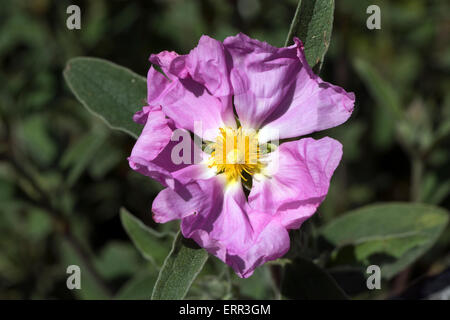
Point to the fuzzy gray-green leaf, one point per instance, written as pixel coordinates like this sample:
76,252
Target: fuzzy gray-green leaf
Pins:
108,90
152,244
397,232
313,24
181,267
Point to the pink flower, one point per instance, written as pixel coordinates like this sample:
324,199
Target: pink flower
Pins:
274,94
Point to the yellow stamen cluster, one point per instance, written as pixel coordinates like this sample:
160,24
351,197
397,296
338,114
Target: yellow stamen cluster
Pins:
236,152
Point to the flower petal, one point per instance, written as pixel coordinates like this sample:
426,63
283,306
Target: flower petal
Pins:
260,76
193,108
270,243
154,137
274,88
157,85
152,154
207,65
297,179
196,88
200,197
164,60
244,240
187,103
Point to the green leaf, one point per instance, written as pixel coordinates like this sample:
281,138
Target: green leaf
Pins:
117,259
313,23
109,91
304,280
209,287
139,287
387,100
152,244
392,235
181,267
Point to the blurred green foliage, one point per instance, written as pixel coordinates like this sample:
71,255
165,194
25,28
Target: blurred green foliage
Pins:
64,174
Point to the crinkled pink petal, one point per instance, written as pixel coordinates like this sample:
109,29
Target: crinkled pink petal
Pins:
152,153
196,87
170,62
163,59
274,88
157,85
238,236
298,181
193,108
195,198
207,65
154,137
271,241
227,224
187,103
142,115
260,76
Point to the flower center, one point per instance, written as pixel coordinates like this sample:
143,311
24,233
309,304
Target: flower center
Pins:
236,153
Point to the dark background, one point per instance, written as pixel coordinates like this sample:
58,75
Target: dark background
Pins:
64,174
